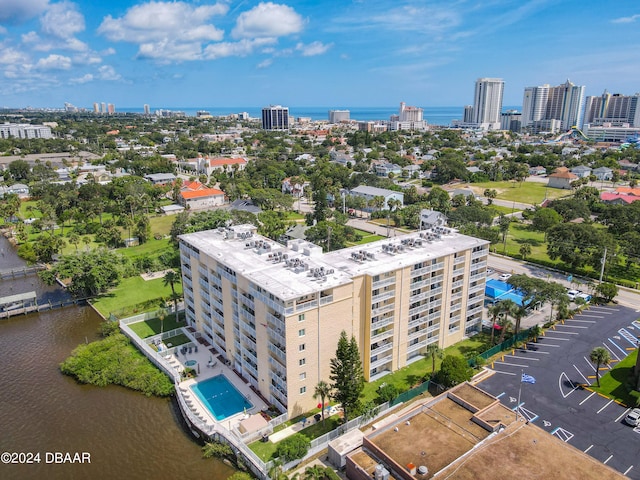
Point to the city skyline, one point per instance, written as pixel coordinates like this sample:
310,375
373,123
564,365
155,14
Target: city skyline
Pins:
298,53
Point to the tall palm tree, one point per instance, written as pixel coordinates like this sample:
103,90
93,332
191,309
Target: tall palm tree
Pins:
599,356
170,279
322,391
162,313
517,312
434,351
315,472
494,311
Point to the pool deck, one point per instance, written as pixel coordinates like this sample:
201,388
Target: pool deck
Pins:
207,367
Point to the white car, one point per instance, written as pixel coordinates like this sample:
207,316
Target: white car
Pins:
572,294
633,417
504,277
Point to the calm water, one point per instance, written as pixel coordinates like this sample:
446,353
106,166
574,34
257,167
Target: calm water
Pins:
128,435
433,115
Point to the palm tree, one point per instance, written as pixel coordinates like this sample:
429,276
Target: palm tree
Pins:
525,250
434,351
536,331
494,310
322,391
599,356
162,313
171,278
316,472
517,312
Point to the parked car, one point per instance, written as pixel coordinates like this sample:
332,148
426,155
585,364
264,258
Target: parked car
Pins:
504,277
572,294
633,417
585,296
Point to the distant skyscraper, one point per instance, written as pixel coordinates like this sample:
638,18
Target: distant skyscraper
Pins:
337,116
544,103
96,107
111,109
103,107
275,117
487,103
615,109
147,110
410,114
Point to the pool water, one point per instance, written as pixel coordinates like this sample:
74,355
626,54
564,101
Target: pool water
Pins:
220,397
190,363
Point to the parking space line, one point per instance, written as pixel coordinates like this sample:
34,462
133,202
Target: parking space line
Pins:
498,396
588,448
623,414
591,316
610,457
581,321
533,351
512,364
592,394
557,338
562,434
628,470
545,345
573,387
571,326
505,373
565,333
605,310
609,403
585,379
618,347
611,351
526,358
628,336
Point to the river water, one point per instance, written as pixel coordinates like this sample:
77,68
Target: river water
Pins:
127,435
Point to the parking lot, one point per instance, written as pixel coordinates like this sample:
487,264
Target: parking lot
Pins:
560,363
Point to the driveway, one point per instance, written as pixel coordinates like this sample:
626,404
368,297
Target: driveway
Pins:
559,362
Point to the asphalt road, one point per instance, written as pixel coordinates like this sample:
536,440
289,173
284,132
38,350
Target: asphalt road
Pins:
559,362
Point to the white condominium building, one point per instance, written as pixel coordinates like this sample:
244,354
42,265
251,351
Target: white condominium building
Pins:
337,116
275,117
275,312
616,109
24,130
487,103
543,103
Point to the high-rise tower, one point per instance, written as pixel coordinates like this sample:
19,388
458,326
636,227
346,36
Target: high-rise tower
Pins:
275,117
487,103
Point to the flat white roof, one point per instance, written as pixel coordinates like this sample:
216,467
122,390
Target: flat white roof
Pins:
288,271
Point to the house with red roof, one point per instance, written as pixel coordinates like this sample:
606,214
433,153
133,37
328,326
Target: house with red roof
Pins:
202,199
561,178
615,198
228,165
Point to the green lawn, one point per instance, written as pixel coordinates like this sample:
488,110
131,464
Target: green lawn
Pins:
500,210
151,327
153,246
366,238
613,383
161,224
265,450
532,193
131,295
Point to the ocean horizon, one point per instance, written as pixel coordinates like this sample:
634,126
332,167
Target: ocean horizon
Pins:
433,115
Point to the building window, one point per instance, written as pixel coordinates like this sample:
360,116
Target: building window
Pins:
303,390
301,347
302,361
301,317
303,375
301,332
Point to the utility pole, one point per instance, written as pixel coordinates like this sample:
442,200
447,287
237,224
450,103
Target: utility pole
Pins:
328,239
603,261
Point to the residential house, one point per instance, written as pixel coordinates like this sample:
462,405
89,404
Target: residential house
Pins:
160,178
369,193
19,189
537,171
603,173
202,199
615,198
628,165
561,178
227,165
410,170
385,169
581,171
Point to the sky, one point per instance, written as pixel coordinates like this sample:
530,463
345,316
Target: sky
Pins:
334,53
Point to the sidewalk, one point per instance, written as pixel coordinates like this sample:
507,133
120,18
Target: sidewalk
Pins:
286,432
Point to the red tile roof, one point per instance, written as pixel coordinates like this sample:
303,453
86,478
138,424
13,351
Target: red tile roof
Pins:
217,162
611,197
628,190
207,192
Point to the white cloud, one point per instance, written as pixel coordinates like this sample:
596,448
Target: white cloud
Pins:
62,20
265,63
107,72
235,49
11,56
157,21
630,19
87,77
313,48
268,20
54,62
166,31
17,11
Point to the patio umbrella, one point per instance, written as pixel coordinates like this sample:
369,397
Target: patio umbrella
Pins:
198,368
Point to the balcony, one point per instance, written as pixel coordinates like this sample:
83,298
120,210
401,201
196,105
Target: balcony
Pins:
247,301
420,283
249,353
277,336
275,321
383,296
415,346
223,273
384,309
278,368
380,361
381,349
457,284
219,329
417,322
203,271
459,260
280,382
436,279
479,276
419,309
475,266
247,367
277,306
420,271
383,322
435,315
301,307
481,254
279,399
383,283
477,288
456,296
276,350
419,296
474,311
215,280
325,300
382,336
420,333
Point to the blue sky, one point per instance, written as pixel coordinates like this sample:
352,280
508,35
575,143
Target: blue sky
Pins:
309,52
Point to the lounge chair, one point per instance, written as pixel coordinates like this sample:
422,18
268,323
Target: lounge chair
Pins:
195,349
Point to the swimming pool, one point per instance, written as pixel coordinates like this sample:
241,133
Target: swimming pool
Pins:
220,397
190,363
